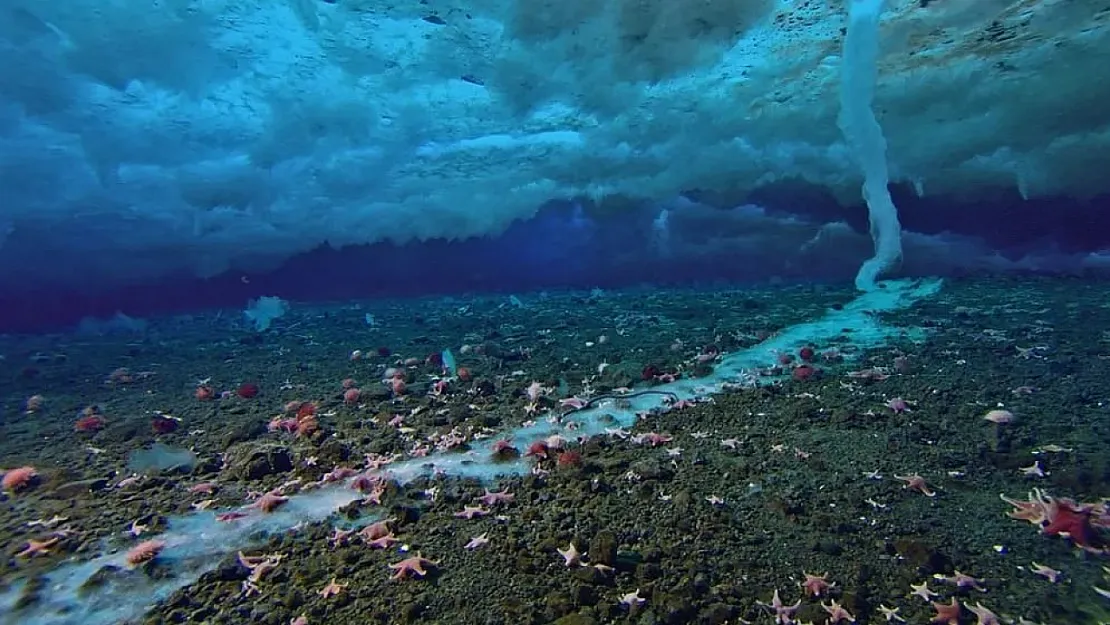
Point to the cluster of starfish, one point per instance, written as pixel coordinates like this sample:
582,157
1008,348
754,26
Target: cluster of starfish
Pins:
946,613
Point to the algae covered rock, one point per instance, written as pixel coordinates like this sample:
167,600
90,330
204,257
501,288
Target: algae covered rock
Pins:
254,461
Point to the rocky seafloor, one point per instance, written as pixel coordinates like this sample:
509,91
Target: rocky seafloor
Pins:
741,495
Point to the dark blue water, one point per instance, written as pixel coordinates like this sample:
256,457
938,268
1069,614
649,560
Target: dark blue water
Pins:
788,234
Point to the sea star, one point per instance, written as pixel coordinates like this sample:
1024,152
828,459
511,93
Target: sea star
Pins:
382,542
986,617
476,542
333,588
1071,521
632,598
922,590
962,580
815,585
413,565
837,613
1047,572
891,614
571,556
947,613
916,482
37,547
492,499
269,502
469,512
784,614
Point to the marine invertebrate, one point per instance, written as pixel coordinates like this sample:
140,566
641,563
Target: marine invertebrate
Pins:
144,552
19,479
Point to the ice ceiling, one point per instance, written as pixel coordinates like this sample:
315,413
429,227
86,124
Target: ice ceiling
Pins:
140,138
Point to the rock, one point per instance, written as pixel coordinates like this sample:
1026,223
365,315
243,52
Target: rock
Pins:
603,548
490,420
374,393
677,610
558,604
253,461
293,599
411,612
207,466
925,557
459,413
649,571
179,599
575,619
588,575
585,595
332,452
383,444
485,388
652,469
102,576
230,572
73,489
717,614
245,431
828,547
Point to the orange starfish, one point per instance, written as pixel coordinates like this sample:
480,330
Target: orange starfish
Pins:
947,613
37,547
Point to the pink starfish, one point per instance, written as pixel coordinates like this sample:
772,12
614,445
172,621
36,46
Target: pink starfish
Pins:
898,405
962,580
816,585
652,438
576,403
837,613
339,536
230,516
916,482
492,499
413,565
985,616
1047,572
269,502
375,496
784,614
476,542
260,565
336,474
376,530
333,588
382,542
469,512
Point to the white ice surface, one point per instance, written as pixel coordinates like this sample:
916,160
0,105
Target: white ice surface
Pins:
140,138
